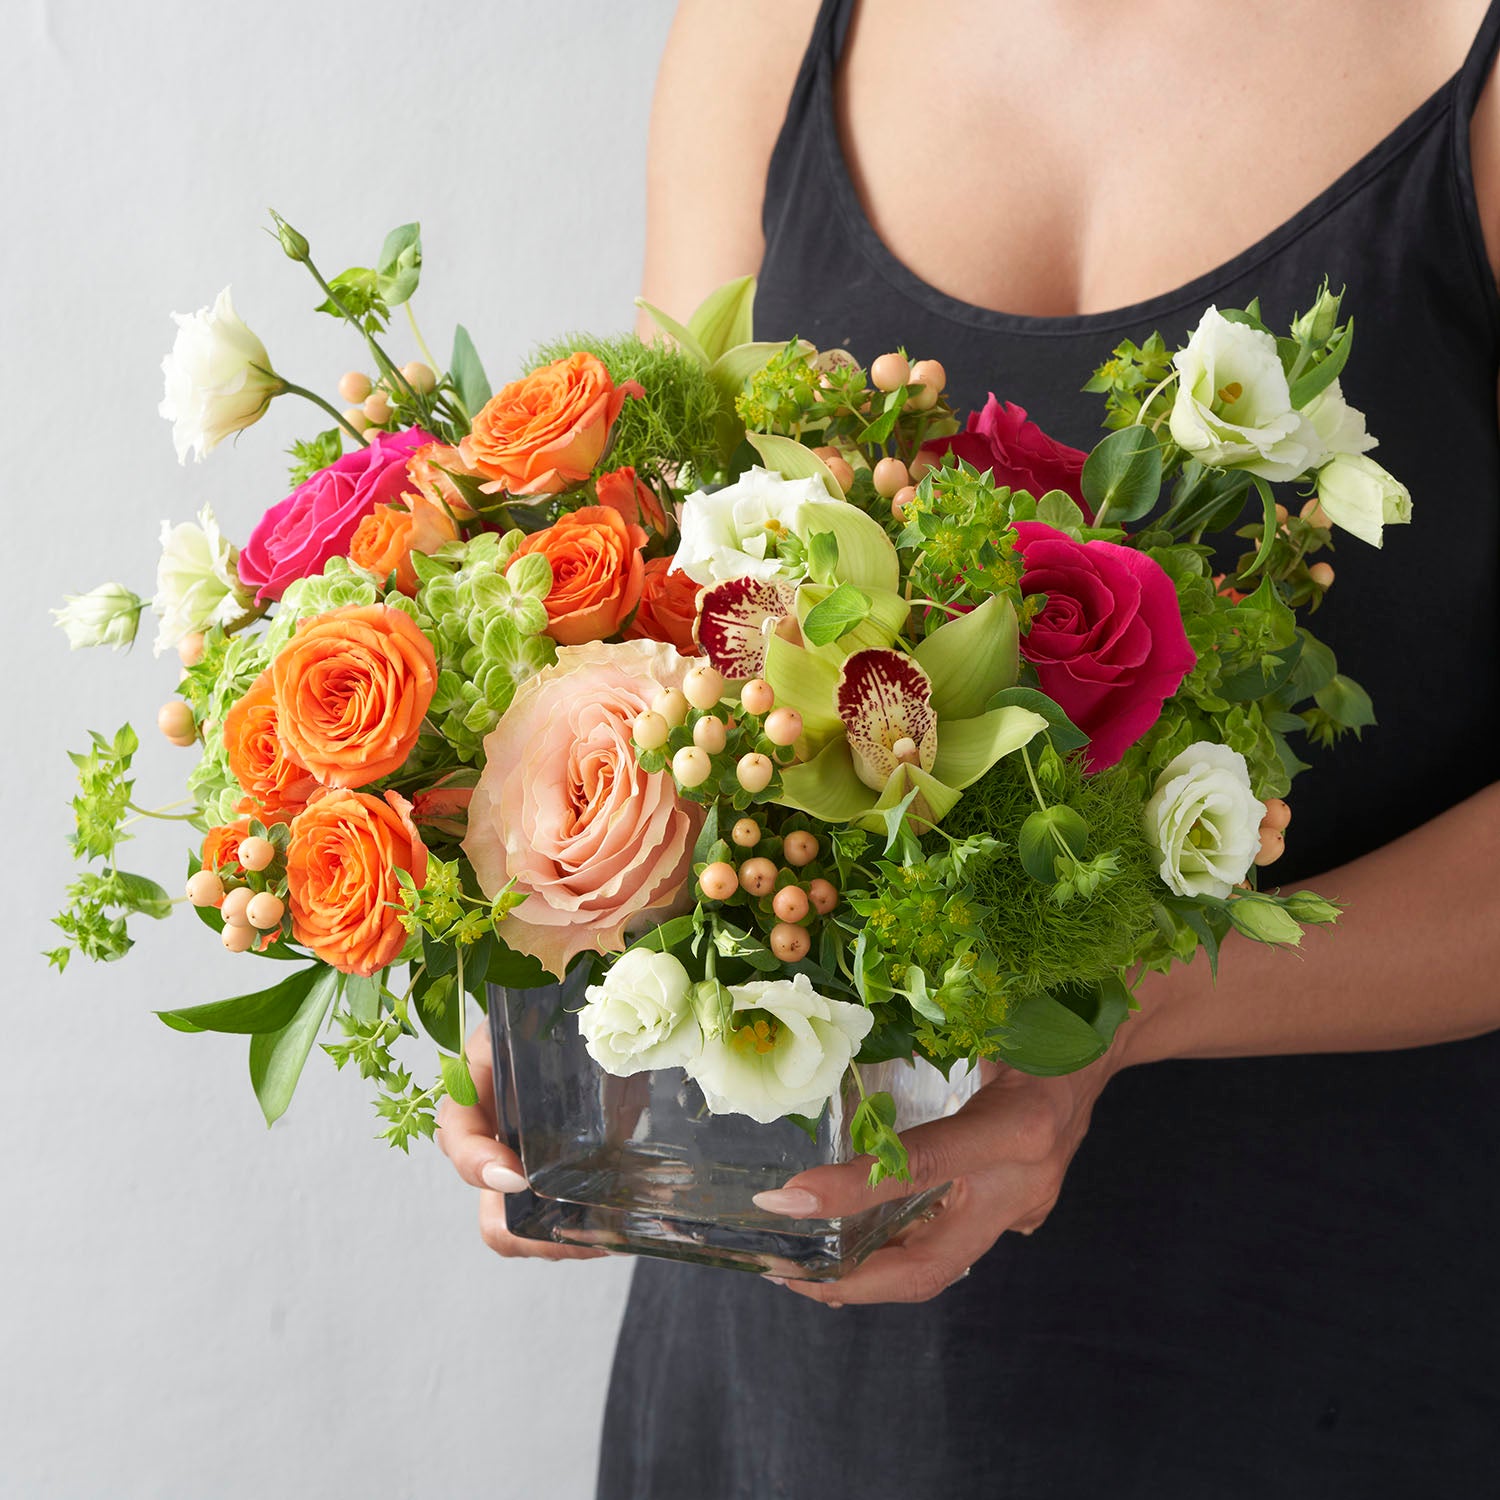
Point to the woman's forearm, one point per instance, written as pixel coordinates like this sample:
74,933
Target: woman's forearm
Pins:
1415,959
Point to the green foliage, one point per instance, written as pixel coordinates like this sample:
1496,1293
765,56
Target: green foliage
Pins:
958,539
308,455
485,624
1128,377
776,396
99,902
675,425
872,1132
1043,944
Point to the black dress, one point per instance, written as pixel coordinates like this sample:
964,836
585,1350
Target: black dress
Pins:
1266,1277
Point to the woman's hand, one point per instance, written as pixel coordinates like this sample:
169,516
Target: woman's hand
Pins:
467,1136
1005,1152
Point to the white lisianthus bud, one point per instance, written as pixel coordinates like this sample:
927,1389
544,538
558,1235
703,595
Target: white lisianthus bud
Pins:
786,1051
733,532
641,1016
1203,821
1233,408
1357,494
1340,427
106,616
216,378
196,582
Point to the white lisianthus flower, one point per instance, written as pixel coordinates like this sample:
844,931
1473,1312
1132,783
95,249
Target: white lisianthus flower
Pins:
196,582
216,378
1357,494
1233,408
732,532
1203,821
1340,427
786,1054
106,616
641,1016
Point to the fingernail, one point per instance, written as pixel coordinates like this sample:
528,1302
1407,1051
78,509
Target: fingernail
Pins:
795,1203
776,1280
833,1304
502,1179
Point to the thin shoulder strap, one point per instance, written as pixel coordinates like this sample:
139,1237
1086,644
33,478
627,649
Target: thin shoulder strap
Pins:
1476,68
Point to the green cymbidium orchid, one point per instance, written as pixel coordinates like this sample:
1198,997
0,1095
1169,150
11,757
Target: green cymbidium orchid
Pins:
881,723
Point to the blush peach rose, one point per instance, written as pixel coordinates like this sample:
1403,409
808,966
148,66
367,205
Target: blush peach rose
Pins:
597,572
342,888
597,846
436,469
624,490
668,609
545,432
385,540
277,787
351,688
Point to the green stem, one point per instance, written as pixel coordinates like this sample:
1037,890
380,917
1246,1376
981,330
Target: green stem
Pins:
317,400
164,817
1031,777
859,1082
416,333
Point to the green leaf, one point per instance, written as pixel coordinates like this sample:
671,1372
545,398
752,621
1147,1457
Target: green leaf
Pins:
1323,374
867,556
142,895
1039,849
822,556
734,367
967,748
723,320
844,609
1061,730
467,372
516,971
1103,1005
457,1079
1345,702
809,1127
708,835
1255,681
1122,476
400,265
1059,509
277,1057
436,1002
265,1010
1315,667
1045,1038
666,936
686,340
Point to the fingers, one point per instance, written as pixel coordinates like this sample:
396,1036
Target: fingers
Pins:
493,1232
923,1264
999,1125
466,1133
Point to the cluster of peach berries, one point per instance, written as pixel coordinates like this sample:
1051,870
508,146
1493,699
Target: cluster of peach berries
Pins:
1273,829
692,765
894,479
370,400
250,910
794,899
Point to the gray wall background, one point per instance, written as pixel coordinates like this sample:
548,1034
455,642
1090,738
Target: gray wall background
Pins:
191,1306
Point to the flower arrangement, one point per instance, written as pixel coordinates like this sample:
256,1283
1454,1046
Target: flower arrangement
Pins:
824,730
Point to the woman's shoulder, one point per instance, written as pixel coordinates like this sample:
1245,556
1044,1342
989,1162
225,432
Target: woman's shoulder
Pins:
721,95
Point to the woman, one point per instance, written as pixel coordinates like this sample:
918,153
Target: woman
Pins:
1267,1274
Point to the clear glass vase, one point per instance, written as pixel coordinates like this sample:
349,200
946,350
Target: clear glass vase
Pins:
639,1165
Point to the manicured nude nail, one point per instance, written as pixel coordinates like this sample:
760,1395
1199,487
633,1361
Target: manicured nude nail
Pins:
795,1203
502,1179
776,1280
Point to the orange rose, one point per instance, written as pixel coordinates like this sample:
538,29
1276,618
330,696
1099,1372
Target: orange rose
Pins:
351,688
621,490
669,608
221,845
545,432
597,571
277,785
341,877
435,469
385,540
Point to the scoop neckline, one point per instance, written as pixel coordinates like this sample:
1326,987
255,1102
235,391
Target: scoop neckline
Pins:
1196,291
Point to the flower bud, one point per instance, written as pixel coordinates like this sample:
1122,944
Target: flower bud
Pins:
1264,921
1316,325
106,616
294,244
1308,906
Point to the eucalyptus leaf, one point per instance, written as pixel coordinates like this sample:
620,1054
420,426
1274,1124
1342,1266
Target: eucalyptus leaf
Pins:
1061,730
264,1010
467,371
1122,476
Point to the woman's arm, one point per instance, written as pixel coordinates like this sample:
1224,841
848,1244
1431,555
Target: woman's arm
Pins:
721,95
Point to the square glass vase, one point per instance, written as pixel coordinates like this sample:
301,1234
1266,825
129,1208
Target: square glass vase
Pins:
639,1166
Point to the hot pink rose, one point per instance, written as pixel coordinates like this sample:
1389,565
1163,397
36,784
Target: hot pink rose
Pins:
594,843
1003,439
1108,646
317,520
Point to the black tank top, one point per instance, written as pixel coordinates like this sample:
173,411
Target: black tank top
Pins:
1266,1277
